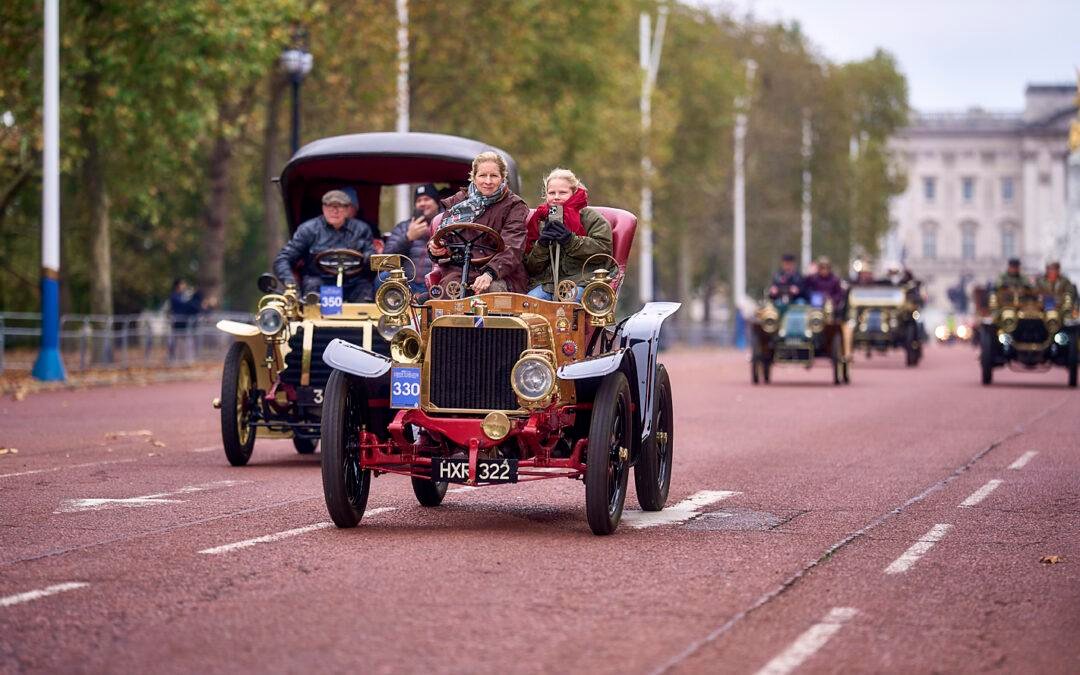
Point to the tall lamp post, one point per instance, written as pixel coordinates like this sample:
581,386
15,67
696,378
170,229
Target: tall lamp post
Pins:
739,298
296,62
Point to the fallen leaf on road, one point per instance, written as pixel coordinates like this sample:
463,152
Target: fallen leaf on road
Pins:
18,394
4,451
1052,559
158,444
13,451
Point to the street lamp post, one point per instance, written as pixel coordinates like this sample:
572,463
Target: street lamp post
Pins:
296,62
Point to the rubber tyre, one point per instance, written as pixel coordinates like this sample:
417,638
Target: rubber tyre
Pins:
847,372
237,381
429,492
345,486
836,355
755,361
1074,357
912,350
652,474
986,355
611,428
305,446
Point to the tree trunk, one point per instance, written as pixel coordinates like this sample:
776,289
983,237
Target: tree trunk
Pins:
216,219
686,257
273,223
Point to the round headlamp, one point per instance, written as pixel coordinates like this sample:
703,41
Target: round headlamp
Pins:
532,378
816,322
388,329
270,321
598,299
392,298
1009,320
1053,322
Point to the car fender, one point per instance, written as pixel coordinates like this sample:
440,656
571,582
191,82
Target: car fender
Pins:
237,328
640,335
597,366
355,360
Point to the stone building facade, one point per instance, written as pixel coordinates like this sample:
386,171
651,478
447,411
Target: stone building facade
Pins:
982,187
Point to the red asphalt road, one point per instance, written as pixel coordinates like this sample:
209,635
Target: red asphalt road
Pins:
833,484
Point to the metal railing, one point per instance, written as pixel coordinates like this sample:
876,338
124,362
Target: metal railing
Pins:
150,338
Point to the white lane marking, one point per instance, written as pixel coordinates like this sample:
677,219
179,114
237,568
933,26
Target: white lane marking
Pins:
211,448
1023,459
918,549
277,536
20,598
981,494
67,466
96,504
807,644
464,488
685,510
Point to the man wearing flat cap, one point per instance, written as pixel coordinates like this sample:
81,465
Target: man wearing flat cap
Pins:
787,282
333,229
410,237
1012,278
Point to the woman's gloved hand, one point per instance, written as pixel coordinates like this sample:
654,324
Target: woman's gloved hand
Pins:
555,231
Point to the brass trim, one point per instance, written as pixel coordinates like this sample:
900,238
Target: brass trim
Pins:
548,359
305,359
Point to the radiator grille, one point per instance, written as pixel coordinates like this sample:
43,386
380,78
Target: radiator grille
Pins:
1030,330
470,367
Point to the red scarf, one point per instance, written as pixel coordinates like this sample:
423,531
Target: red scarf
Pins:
571,217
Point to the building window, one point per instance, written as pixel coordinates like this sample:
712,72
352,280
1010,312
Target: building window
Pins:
967,189
929,188
1007,190
929,243
1008,242
967,241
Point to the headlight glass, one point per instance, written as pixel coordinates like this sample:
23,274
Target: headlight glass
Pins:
388,329
270,320
598,299
532,378
392,299
816,322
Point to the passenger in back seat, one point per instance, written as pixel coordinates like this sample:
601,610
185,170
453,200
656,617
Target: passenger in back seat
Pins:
562,234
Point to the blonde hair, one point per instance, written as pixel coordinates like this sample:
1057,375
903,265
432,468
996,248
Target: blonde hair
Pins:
489,156
566,175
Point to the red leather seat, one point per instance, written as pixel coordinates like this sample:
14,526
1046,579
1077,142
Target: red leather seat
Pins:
623,226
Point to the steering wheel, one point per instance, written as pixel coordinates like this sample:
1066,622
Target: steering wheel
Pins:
472,237
347,261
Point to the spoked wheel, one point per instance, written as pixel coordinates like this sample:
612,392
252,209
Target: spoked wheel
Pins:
652,475
345,485
608,457
305,446
986,354
429,492
837,359
912,347
237,386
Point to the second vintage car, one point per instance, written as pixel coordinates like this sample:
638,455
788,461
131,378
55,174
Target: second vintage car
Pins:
884,317
797,333
1028,329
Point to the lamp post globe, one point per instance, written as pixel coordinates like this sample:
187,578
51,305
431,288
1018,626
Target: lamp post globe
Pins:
297,63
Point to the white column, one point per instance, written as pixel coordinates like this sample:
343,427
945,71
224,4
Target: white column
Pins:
649,59
807,223
742,104
402,198
50,207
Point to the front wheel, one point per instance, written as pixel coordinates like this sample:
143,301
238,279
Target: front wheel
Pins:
837,359
608,454
345,485
1074,357
652,475
986,355
429,492
237,395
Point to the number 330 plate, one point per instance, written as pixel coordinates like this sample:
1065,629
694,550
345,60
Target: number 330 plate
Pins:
405,387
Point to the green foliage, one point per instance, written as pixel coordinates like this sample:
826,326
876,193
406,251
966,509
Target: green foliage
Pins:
159,86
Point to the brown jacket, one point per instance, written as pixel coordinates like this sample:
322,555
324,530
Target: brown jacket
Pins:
507,217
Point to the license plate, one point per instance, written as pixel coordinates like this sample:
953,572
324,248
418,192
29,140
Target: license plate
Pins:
405,387
817,299
330,300
1049,303
487,470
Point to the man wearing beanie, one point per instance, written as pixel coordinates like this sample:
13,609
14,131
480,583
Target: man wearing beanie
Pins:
410,237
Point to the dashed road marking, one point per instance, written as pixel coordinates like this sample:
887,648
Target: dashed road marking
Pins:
981,494
685,510
67,466
20,598
918,549
98,504
464,488
211,448
1023,459
808,644
278,536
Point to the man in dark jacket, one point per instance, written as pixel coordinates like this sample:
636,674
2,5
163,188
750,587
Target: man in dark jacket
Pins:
333,229
410,237
787,281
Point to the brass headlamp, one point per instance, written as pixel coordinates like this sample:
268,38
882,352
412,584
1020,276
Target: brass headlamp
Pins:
598,299
394,294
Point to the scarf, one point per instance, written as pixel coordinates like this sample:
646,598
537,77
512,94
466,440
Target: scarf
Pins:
473,206
571,216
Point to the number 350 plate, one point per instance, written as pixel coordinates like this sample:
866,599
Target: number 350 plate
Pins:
487,470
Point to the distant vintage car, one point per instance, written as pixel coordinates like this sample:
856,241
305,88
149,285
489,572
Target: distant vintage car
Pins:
884,317
1028,329
274,379
505,388
786,332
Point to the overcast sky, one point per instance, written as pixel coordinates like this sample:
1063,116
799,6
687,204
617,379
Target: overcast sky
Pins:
955,53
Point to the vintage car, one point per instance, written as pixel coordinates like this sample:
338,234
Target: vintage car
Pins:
1028,329
796,332
274,379
505,388
883,317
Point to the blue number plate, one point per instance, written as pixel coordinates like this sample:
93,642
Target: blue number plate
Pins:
817,299
330,300
405,387
1049,303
